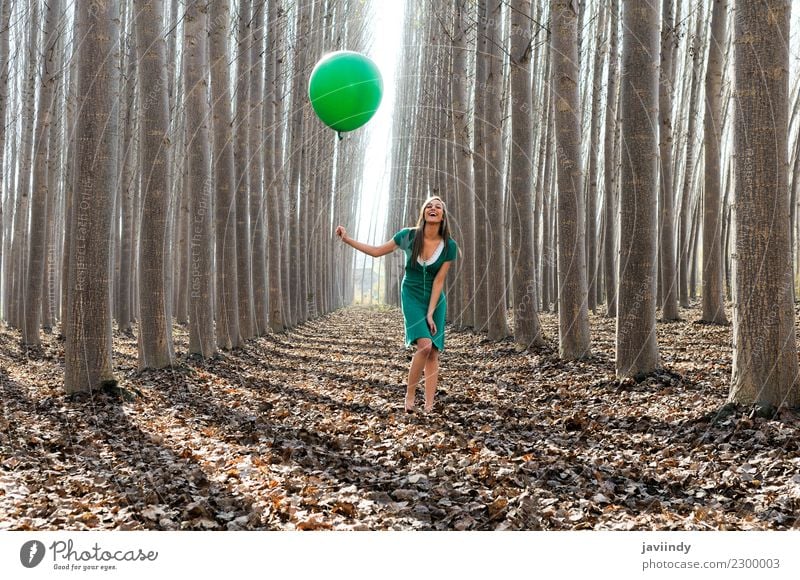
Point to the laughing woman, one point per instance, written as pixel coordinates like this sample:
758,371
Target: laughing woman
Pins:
429,251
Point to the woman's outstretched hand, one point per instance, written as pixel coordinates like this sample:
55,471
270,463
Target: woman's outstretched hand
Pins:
341,233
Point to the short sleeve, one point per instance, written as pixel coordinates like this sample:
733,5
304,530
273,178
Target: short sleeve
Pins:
452,250
403,239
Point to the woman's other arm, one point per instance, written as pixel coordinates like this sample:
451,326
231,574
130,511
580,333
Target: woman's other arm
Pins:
374,251
436,292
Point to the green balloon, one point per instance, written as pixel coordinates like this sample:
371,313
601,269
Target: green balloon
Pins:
345,89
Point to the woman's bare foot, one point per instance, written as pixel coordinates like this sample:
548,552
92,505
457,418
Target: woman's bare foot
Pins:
409,402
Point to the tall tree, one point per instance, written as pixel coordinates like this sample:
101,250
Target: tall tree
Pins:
155,329
202,340
695,55
668,281
88,346
273,121
5,70
611,165
255,134
495,214
49,72
480,170
637,348
527,330
227,310
713,305
573,315
241,156
592,163
765,368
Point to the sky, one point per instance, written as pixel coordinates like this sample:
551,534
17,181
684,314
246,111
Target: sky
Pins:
385,50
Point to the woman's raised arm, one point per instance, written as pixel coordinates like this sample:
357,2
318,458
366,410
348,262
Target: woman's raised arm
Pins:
374,251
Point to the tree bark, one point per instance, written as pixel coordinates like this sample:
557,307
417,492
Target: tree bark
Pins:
155,329
202,340
668,280
573,316
495,219
227,310
765,368
88,347
611,166
637,349
713,303
51,17
241,155
527,330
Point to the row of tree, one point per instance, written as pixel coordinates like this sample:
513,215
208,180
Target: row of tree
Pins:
609,151
160,162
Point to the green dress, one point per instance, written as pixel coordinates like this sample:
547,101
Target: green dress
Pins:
415,290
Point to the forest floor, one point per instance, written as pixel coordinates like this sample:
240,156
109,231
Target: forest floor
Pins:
306,430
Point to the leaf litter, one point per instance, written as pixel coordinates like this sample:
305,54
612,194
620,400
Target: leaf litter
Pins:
306,431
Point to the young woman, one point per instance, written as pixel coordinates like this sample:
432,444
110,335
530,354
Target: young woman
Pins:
429,251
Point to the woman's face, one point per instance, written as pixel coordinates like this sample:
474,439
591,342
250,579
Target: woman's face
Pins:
434,211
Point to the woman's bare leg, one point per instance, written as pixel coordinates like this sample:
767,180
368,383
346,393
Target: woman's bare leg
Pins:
415,372
431,377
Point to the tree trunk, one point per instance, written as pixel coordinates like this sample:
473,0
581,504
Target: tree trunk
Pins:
155,329
527,330
273,120
668,279
242,161
88,347
573,316
480,171
51,17
684,229
5,69
202,340
637,349
765,369
256,156
594,147
495,218
227,310
611,166
713,304
464,160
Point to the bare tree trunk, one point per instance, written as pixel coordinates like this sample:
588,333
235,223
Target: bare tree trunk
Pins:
273,120
256,156
88,347
527,330
51,17
668,277
227,311
495,218
480,171
637,348
765,369
713,304
202,340
128,184
241,157
573,316
5,70
464,160
155,329
684,231
611,166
